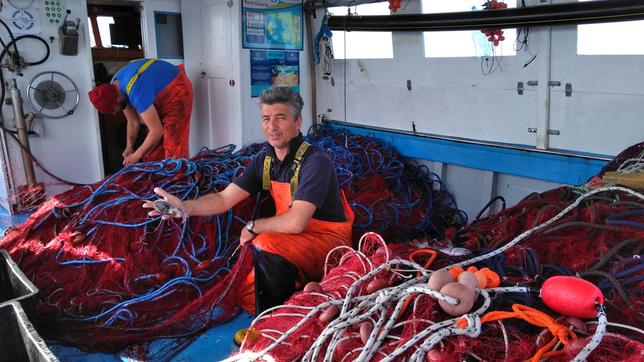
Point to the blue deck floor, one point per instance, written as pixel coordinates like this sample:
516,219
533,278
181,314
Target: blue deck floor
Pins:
213,345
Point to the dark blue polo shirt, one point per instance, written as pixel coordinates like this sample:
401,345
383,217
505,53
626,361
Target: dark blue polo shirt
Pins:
318,183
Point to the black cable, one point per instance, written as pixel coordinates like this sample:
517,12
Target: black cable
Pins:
47,53
489,203
13,40
29,36
612,251
612,280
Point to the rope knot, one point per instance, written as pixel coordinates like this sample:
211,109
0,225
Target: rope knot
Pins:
469,325
561,332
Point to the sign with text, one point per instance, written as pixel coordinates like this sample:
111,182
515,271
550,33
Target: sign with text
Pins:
272,24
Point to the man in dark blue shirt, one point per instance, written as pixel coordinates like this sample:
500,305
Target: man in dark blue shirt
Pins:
312,215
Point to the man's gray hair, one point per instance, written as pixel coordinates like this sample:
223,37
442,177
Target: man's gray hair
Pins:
283,95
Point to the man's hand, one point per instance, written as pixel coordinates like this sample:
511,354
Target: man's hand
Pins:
169,198
246,236
131,159
127,152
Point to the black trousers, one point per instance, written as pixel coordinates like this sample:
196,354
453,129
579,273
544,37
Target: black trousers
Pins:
274,279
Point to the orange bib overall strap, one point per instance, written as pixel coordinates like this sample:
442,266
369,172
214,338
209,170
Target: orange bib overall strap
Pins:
307,250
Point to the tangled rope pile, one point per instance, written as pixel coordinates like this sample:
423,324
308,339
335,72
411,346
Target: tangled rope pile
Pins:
110,276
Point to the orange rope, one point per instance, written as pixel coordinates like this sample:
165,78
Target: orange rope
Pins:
432,252
560,332
434,255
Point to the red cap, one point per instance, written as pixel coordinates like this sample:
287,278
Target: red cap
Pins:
104,97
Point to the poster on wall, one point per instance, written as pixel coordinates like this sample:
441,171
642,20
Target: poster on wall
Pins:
274,68
272,24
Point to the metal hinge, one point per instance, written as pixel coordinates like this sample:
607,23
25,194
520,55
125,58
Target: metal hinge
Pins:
554,132
554,83
519,88
230,3
568,89
533,83
532,130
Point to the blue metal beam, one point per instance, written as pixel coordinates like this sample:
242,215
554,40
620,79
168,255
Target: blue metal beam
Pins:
555,167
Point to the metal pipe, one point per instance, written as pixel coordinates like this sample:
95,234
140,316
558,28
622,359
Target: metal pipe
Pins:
312,77
543,92
541,15
16,101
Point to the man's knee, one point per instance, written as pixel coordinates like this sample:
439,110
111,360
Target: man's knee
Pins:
275,279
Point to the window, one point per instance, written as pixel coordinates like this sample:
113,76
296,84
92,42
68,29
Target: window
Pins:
622,38
169,35
463,43
104,31
362,44
112,26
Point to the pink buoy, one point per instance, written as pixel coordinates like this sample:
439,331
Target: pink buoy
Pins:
577,323
365,331
571,296
375,285
312,287
329,314
434,355
463,293
439,278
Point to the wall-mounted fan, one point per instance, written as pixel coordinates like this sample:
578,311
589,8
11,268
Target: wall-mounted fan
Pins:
53,94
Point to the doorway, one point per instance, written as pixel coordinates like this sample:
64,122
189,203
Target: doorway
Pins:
115,32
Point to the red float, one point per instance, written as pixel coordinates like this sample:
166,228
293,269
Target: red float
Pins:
571,296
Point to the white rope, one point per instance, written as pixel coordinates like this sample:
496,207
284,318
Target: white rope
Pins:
632,165
530,232
602,321
625,326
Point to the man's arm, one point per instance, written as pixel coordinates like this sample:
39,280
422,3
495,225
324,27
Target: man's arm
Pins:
211,204
294,221
155,131
133,126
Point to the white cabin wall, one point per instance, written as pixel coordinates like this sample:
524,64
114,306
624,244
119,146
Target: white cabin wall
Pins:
193,67
450,97
68,147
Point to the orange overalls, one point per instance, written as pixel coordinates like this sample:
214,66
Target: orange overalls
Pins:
307,250
174,106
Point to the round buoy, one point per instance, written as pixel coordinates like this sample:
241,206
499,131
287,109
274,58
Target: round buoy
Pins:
578,324
469,279
439,278
434,355
329,314
312,287
463,293
375,285
365,331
